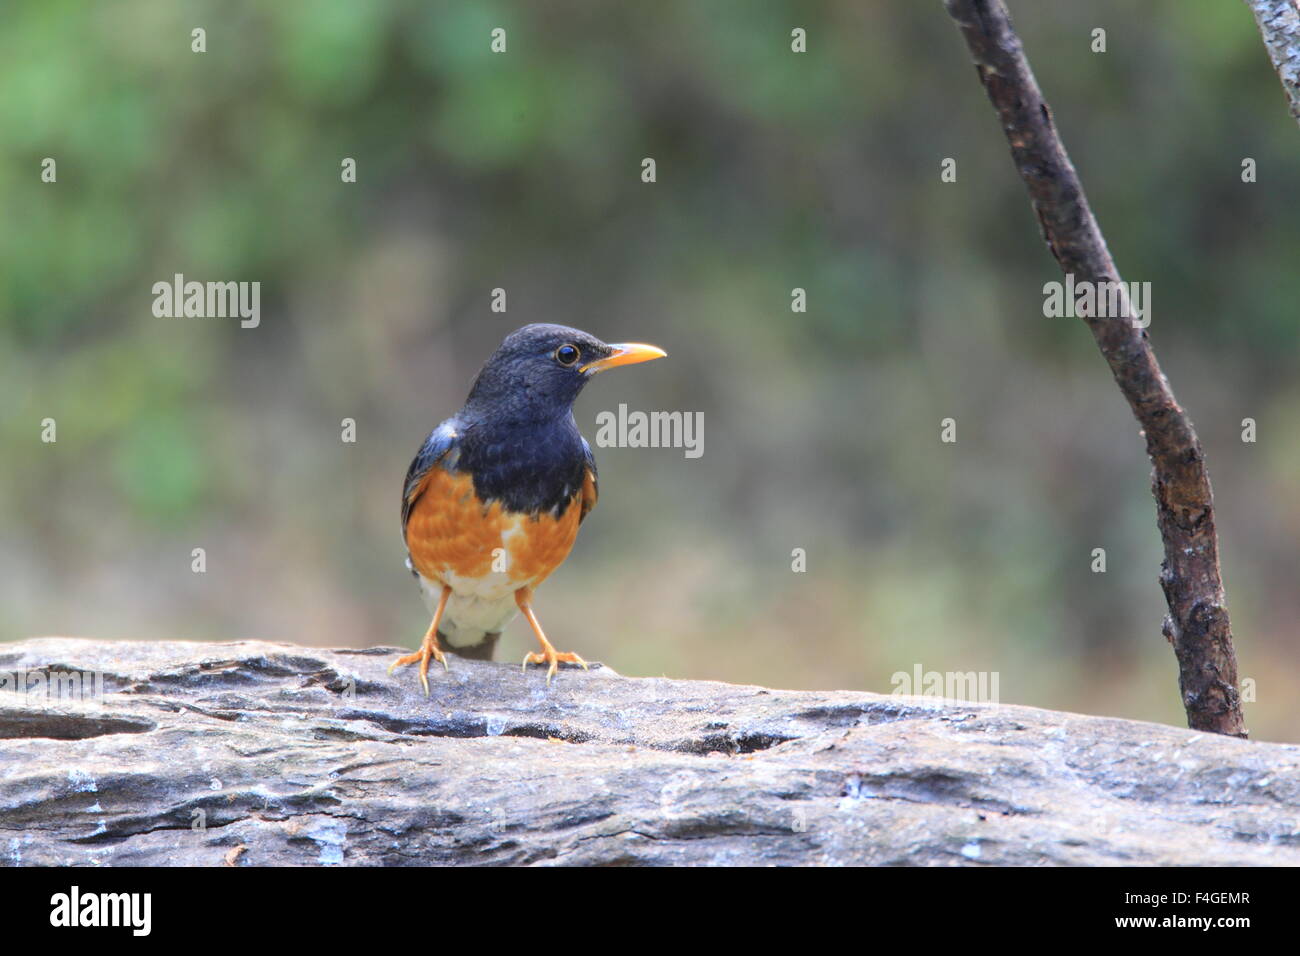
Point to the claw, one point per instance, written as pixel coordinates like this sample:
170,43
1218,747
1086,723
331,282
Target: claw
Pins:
428,648
548,654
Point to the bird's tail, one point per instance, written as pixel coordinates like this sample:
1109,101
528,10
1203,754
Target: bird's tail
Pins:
481,651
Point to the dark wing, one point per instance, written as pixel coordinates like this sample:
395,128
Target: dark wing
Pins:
590,483
438,450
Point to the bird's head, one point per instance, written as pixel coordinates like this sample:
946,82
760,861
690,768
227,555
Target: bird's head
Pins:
539,370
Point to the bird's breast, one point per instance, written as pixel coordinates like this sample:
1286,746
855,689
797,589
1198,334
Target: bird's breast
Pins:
482,547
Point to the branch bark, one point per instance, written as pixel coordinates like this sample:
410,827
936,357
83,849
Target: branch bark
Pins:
1279,25
1197,624
140,753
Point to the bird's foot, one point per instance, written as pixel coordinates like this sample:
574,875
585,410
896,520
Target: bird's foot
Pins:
429,649
549,655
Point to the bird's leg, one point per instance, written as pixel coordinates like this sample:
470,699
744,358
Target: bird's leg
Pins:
429,648
548,654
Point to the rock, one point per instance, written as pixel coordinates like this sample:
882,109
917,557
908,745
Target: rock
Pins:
255,754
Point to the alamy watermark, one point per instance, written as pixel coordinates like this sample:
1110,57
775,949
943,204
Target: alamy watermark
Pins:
1103,300
133,911
625,429
48,686
979,687
209,300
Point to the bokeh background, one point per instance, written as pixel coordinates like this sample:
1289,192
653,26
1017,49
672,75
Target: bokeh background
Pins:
522,171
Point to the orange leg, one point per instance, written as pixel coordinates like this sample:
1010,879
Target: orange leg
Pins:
548,654
429,648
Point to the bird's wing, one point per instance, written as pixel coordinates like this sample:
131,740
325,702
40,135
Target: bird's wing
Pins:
590,483
438,450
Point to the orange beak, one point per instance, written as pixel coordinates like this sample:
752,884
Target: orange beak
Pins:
625,353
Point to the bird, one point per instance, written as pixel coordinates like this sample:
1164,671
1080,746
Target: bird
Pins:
493,499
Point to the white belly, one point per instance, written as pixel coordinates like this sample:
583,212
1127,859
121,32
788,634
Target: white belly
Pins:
477,606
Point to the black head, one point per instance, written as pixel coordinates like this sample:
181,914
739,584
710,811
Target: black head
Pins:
539,370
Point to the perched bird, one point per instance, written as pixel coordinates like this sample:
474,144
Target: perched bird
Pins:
493,500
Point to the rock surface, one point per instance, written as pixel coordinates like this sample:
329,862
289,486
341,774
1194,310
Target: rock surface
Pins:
254,754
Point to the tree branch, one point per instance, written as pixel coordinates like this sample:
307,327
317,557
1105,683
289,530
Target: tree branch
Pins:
157,753
1279,25
1197,624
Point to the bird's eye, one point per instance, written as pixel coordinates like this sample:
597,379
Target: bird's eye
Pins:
567,355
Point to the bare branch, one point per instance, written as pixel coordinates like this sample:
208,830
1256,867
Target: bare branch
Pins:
1197,624
1279,25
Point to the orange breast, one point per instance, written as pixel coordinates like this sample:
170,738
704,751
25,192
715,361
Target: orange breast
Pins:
541,544
451,532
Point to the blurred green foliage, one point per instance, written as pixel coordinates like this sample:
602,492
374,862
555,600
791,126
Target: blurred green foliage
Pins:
521,171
